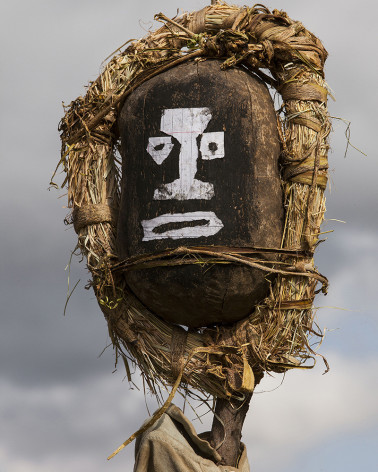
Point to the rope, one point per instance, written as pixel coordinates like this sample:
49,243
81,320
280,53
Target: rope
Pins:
92,215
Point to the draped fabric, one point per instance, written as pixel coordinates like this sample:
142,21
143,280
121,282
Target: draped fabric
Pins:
172,445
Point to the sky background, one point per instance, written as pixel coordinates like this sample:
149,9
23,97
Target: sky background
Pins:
62,408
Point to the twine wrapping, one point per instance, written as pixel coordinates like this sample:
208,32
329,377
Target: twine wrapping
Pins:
93,214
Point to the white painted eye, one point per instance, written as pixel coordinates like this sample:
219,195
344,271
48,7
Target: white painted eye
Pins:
212,145
159,148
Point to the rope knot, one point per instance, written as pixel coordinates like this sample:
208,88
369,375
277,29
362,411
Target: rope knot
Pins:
268,50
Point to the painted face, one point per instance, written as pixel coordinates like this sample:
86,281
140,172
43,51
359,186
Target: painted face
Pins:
186,126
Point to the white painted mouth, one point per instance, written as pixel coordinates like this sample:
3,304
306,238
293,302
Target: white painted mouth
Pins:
191,225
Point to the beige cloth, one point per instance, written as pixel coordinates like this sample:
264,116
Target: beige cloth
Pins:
172,445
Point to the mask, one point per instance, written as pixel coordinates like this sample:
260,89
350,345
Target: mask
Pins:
200,155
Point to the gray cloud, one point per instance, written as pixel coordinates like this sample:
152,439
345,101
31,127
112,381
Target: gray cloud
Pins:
311,411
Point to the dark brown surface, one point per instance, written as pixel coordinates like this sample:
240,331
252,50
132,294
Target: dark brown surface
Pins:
247,196
227,427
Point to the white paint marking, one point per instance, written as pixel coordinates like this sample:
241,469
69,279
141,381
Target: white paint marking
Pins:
213,225
186,125
159,148
212,145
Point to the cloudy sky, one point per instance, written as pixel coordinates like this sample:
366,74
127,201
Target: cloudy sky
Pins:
62,408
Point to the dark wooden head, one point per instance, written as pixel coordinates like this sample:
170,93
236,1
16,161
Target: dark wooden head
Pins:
200,155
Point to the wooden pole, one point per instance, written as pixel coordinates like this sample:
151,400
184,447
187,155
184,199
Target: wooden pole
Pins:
227,427
226,431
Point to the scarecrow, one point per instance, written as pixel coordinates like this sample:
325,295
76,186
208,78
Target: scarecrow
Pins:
198,207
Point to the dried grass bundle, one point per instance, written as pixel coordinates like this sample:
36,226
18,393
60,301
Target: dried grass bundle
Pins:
220,361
